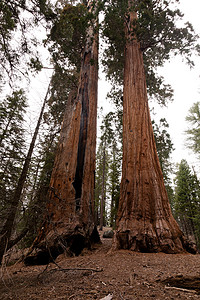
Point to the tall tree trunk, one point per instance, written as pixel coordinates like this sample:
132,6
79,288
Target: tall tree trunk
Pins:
112,210
6,231
144,222
102,203
113,187
71,218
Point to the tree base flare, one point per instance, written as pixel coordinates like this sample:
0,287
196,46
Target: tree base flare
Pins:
147,243
69,240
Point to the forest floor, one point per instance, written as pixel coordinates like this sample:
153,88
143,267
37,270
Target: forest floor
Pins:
101,274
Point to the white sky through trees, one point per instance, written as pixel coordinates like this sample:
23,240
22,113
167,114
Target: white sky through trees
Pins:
186,85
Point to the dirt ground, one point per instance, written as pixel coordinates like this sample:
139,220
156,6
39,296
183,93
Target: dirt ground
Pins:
100,274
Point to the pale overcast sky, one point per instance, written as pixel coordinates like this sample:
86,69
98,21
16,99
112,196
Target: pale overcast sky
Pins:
186,85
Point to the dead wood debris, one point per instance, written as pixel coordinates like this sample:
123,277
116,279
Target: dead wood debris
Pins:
108,297
61,269
180,289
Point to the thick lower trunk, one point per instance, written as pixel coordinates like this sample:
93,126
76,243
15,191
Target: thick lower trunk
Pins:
144,222
71,219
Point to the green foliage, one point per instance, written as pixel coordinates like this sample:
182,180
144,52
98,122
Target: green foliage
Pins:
12,145
187,201
157,32
38,188
156,87
193,133
68,35
164,148
17,19
114,35
63,82
183,188
35,64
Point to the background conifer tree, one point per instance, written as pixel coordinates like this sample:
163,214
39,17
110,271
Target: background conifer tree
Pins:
186,201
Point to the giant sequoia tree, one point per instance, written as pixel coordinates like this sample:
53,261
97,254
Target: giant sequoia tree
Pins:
145,221
70,219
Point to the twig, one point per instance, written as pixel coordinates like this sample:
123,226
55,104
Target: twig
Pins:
43,271
180,289
121,296
78,269
98,269
68,269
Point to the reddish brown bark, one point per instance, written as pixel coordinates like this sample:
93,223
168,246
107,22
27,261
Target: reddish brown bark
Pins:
71,199
144,222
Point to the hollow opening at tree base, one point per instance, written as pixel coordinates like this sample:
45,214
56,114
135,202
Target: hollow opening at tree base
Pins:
72,244
181,282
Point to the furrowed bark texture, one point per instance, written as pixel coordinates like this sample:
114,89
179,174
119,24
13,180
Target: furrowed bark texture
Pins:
145,222
71,200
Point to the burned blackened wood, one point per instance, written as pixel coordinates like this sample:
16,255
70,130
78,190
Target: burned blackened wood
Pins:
70,222
84,98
